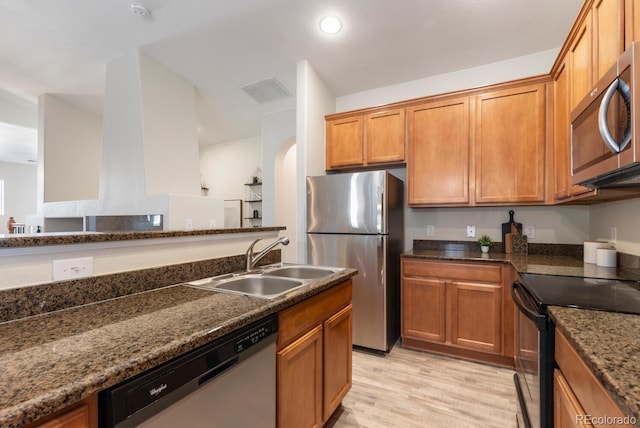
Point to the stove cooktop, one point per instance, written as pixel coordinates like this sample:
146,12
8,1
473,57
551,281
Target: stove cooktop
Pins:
586,293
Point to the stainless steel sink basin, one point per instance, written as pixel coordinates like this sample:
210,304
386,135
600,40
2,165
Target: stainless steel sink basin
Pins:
266,287
267,283
301,272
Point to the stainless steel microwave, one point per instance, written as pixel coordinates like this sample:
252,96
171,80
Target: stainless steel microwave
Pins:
604,128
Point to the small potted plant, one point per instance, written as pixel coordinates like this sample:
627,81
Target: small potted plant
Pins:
485,242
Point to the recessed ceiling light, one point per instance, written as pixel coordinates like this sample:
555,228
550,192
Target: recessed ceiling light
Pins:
330,24
139,9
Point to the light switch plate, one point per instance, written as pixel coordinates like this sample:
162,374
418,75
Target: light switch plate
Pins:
72,268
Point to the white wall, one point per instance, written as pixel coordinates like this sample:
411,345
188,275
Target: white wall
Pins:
20,192
169,130
17,111
72,150
622,215
226,167
515,68
278,134
314,101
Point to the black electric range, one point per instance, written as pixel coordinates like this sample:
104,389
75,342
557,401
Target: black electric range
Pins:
586,293
532,294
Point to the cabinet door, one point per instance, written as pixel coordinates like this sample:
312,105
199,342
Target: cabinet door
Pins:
476,316
423,309
510,145
299,384
567,412
608,34
631,22
561,138
438,158
344,142
337,359
77,418
385,136
581,63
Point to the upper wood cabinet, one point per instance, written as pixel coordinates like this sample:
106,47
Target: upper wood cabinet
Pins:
580,59
344,142
598,41
362,140
608,34
510,146
438,153
563,189
631,22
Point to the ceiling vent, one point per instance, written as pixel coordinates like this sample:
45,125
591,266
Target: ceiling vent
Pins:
267,90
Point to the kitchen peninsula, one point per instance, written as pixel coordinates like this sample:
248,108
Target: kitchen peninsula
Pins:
60,357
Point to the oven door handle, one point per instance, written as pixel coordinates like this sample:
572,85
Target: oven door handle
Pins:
532,314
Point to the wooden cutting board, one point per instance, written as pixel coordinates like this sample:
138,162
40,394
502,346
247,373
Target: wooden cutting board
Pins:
509,226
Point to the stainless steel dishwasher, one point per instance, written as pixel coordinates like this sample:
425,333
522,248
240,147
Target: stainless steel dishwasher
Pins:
228,383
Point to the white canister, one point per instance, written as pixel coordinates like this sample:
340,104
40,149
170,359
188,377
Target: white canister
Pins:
590,248
606,257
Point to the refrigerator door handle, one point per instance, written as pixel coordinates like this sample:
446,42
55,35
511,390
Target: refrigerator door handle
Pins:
380,210
382,260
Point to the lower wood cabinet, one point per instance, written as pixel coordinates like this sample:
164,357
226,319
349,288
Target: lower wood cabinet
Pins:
83,414
580,400
461,309
314,358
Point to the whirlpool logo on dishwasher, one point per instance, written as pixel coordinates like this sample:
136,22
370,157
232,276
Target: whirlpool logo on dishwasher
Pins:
158,390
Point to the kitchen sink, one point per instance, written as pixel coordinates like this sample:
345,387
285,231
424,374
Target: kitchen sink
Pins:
268,283
267,287
302,272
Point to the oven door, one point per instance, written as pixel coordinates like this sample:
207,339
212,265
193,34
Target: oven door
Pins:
532,361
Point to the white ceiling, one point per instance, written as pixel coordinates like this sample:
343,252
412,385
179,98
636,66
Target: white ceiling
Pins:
62,46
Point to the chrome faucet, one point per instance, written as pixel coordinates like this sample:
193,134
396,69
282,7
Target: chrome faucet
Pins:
253,259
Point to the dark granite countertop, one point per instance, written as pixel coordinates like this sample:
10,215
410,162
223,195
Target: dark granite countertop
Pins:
530,263
43,239
609,343
53,360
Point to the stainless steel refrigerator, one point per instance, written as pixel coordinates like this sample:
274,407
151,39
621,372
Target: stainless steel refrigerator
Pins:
356,220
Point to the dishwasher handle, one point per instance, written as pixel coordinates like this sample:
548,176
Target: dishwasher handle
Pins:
218,370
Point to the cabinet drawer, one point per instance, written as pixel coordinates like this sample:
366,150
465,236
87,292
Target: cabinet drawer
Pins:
451,270
294,321
589,391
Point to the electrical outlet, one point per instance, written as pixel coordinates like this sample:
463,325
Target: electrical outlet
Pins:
614,234
212,223
188,224
529,231
72,268
471,231
431,230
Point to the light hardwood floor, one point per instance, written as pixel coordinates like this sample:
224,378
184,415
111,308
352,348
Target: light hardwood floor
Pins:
410,389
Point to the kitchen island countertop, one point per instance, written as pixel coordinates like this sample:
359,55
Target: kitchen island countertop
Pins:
53,360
